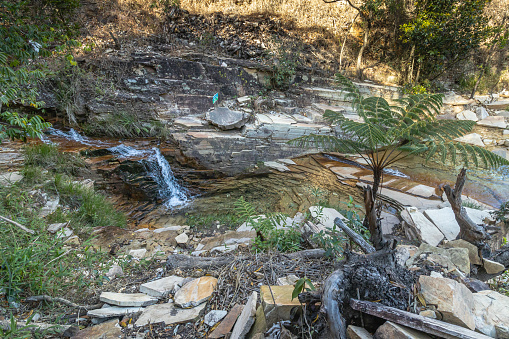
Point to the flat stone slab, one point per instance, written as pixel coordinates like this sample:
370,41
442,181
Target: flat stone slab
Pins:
9,178
226,119
54,228
325,215
162,287
422,190
355,332
169,314
227,324
195,292
445,220
493,121
113,311
391,330
168,229
472,139
277,166
246,318
420,227
127,299
277,302
106,330
501,104
467,115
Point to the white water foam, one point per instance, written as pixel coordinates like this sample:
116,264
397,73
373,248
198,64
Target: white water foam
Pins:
395,173
75,136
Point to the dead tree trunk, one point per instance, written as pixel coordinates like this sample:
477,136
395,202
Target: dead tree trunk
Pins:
469,230
373,222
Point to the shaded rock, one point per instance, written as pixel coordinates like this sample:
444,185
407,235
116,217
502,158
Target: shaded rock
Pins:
73,241
418,226
109,312
473,251
501,104
391,330
246,319
452,299
467,115
449,258
127,299
493,121
260,325
478,216
355,332
493,267
277,302
428,314
169,314
226,119
472,138
195,292
389,221
481,113
214,316
405,252
106,330
162,287
54,228
227,324
475,285
491,313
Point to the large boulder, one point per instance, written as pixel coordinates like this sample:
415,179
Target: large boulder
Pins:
491,312
453,300
225,119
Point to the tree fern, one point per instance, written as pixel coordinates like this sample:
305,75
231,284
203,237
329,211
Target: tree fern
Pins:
389,133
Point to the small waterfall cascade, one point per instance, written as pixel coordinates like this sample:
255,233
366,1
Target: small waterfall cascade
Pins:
158,168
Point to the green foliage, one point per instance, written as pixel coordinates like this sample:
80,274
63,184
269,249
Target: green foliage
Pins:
391,132
286,60
268,236
15,332
28,32
40,263
48,156
125,124
502,214
445,32
300,286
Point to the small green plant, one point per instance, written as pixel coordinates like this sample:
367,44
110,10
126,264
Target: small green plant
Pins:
471,204
300,286
268,235
286,60
502,214
15,332
49,157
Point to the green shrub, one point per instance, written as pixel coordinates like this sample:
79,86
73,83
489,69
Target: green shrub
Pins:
125,124
268,236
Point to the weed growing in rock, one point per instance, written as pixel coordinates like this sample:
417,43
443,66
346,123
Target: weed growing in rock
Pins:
48,157
270,235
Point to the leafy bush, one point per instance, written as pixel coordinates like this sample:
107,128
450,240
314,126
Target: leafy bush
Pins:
286,60
268,237
125,124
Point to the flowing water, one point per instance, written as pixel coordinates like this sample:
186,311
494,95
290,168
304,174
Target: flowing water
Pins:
158,168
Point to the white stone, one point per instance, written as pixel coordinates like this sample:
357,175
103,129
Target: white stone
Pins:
182,239
162,287
53,228
243,99
277,166
226,119
422,190
169,314
445,220
50,207
287,161
9,178
325,215
478,216
421,227
467,115
501,104
64,233
141,230
481,112
246,319
114,311
115,271
491,313
138,254
493,121
127,299
472,139
214,316
167,229
287,280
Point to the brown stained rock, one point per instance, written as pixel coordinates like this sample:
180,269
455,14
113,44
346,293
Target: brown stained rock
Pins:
195,292
169,314
227,323
453,300
394,331
106,330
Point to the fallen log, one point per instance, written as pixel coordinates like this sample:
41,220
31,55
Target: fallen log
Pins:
17,224
424,324
356,238
183,261
66,302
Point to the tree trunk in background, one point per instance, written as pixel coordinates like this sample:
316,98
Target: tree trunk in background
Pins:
361,52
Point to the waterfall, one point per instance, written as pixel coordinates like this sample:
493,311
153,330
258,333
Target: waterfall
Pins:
157,166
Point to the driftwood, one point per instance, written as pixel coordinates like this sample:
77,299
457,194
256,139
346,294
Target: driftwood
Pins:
17,225
63,301
356,238
428,325
469,230
187,262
